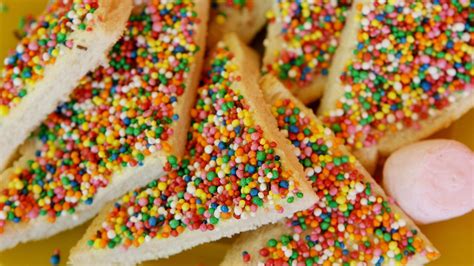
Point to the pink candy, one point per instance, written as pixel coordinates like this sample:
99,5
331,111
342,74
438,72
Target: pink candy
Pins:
431,180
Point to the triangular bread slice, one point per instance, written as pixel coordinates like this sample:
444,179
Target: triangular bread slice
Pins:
118,131
303,35
460,101
239,173
69,39
245,18
353,220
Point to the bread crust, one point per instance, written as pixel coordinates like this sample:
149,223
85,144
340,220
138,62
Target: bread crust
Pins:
119,182
246,22
246,61
391,141
183,108
61,77
252,242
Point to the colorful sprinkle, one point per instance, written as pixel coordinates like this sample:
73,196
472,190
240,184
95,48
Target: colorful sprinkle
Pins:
411,61
45,41
55,258
229,172
350,223
310,31
117,117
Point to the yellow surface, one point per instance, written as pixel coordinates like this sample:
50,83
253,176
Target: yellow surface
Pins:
454,238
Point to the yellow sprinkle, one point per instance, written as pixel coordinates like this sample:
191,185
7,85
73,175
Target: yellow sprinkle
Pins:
392,245
162,186
185,206
37,189
3,199
100,139
220,19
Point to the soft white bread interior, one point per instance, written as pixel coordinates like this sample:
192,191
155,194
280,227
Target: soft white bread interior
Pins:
245,21
120,182
393,140
60,78
247,65
252,242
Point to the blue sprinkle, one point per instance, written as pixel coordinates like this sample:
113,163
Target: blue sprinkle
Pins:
254,192
153,221
294,129
426,86
250,168
89,201
224,209
284,184
127,121
55,259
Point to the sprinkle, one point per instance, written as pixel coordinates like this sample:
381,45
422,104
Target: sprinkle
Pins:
246,256
55,258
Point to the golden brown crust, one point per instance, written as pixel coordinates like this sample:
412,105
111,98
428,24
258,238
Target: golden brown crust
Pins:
110,10
186,101
246,23
254,241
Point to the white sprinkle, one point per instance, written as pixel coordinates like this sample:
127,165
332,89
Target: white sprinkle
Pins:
111,234
458,27
208,149
452,72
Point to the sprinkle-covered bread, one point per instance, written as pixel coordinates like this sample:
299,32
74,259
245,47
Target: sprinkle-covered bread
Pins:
352,221
124,124
301,40
403,71
55,51
238,173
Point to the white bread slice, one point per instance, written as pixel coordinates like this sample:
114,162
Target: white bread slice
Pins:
246,65
246,21
275,42
61,77
252,242
391,141
120,181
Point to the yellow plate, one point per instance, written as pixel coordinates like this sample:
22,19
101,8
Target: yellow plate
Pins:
454,238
